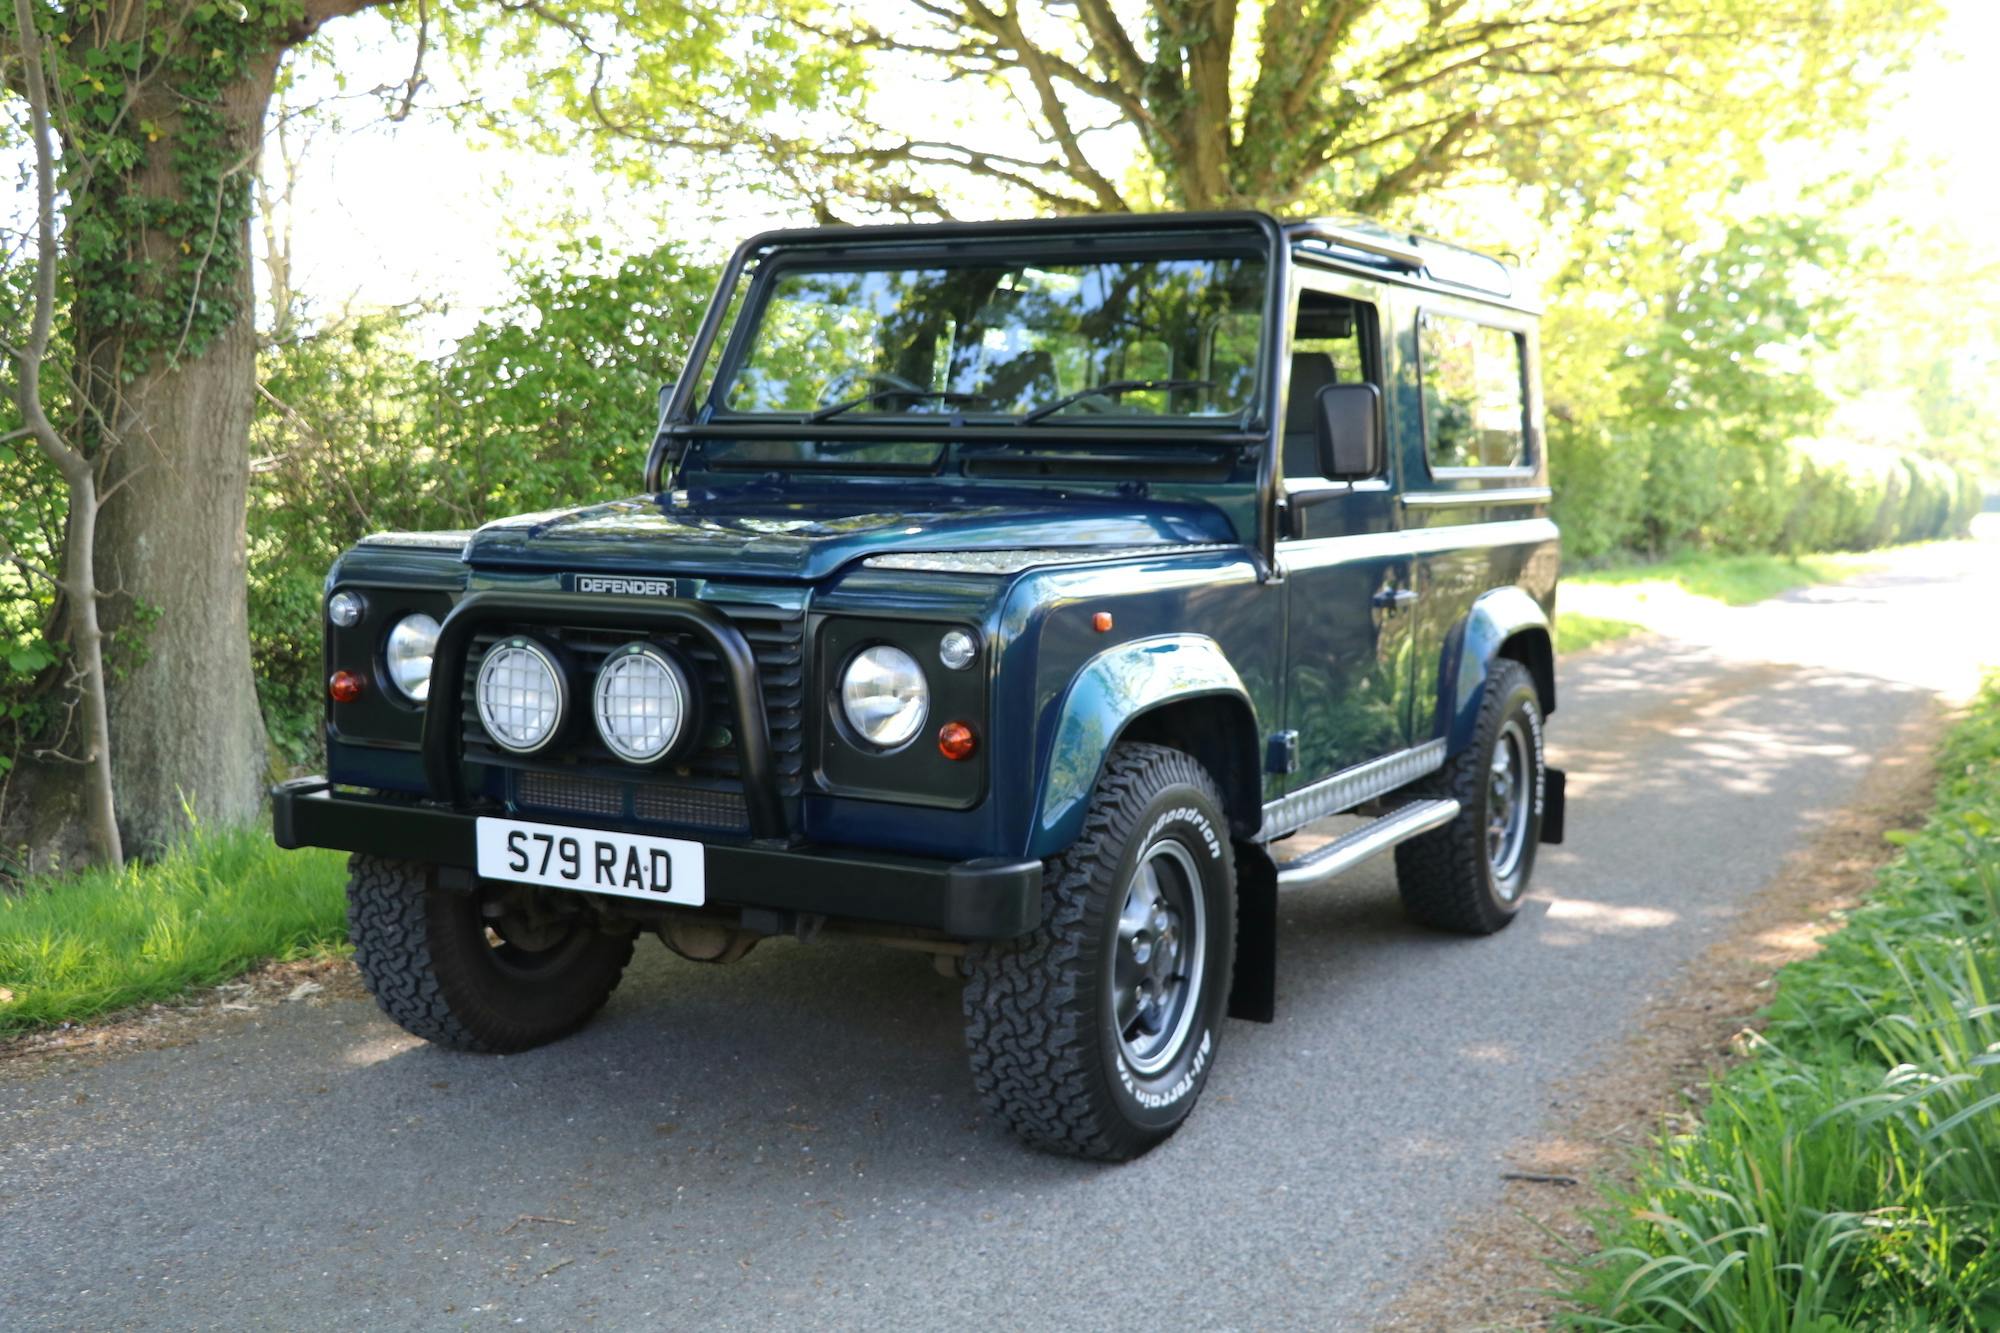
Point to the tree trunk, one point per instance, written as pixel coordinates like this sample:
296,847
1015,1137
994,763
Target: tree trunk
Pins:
170,542
171,557
78,579
86,639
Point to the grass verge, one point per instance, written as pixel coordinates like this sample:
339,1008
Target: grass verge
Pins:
1847,1173
1577,631
1604,605
1733,580
213,907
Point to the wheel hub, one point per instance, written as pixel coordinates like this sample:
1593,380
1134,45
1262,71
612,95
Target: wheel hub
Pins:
1156,974
1507,802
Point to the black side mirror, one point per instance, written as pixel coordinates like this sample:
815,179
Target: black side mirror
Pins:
1348,424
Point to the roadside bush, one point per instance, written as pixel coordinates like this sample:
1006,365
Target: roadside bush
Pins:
1600,496
1692,492
32,513
1848,1174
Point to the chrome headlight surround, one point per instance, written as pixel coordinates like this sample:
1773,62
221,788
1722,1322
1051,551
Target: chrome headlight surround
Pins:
522,695
406,656
662,695
884,696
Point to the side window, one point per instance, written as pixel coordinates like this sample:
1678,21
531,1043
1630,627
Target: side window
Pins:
1331,344
1474,412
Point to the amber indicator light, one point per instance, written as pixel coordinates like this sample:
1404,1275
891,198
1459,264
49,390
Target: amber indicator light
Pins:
956,741
1101,622
343,687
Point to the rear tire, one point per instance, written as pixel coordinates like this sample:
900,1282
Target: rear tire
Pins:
442,964
1093,1036
1471,875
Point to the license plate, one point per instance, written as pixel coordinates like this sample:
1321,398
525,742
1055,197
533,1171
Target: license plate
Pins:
658,870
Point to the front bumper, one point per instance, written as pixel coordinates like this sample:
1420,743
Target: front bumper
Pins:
986,899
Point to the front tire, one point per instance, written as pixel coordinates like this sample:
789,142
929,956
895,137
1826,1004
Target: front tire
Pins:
500,968
1093,1036
1472,874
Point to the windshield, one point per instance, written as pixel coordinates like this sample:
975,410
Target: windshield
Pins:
1160,336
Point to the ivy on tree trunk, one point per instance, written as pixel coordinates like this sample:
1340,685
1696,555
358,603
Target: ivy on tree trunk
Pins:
159,108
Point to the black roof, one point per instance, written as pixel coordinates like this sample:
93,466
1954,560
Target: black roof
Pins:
1353,242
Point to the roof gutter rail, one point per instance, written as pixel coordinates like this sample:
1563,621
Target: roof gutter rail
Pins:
1368,243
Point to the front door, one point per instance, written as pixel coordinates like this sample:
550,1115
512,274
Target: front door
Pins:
1349,603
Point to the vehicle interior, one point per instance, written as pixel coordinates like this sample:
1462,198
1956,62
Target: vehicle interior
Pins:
1330,345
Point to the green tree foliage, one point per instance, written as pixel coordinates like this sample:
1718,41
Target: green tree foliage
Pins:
1287,104
152,184
554,397
1683,408
1674,349
32,508
657,81
1920,370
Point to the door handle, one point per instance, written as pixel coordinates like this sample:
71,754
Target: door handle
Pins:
1395,598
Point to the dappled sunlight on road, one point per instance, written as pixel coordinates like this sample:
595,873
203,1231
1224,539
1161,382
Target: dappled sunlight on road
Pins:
1928,617
375,1049
1726,726
1603,918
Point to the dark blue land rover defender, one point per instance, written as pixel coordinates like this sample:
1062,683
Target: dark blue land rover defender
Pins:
1008,591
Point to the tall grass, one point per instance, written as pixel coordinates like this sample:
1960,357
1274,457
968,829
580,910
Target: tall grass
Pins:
214,906
1847,1175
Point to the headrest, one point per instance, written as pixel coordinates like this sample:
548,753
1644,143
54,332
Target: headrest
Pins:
1311,372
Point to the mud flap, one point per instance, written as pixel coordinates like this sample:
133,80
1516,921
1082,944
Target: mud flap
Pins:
1553,783
1253,992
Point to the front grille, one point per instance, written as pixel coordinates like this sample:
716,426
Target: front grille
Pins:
571,794
703,786
688,805
651,802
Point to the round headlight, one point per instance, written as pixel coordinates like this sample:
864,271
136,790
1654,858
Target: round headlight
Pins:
344,608
642,703
408,656
884,695
520,693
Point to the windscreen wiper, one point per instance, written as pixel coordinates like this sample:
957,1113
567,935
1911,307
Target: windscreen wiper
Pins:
1109,389
915,395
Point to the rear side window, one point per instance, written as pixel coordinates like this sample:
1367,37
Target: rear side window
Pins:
1475,412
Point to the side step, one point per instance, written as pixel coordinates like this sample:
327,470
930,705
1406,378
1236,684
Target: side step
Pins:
1399,825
